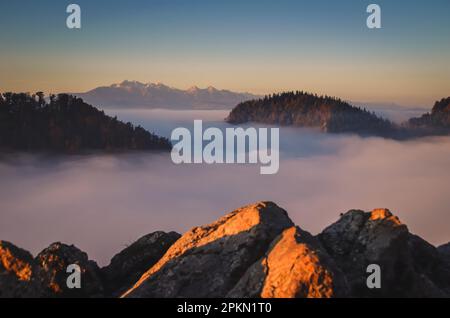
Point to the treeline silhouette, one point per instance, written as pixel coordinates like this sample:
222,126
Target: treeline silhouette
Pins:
310,110
65,123
439,118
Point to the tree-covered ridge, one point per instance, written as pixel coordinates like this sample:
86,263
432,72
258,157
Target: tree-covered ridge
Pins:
67,124
438,119
308,110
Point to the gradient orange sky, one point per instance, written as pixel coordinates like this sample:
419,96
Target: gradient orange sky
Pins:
259,46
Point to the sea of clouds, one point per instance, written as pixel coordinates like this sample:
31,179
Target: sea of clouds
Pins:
102,203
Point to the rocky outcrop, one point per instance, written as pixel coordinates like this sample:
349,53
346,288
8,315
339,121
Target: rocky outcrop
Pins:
255,251
444,253
21,275
15,270
128,266
50,272
294,266
444,249
46,275
208,261
410,266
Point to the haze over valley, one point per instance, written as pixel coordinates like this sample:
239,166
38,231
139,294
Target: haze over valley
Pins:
103,202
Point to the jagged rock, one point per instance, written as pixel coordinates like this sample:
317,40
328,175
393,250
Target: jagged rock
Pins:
410,267
294,266
255,251
50,272
45,275
208,261
15,271
128,266
445,249
444,253
429,263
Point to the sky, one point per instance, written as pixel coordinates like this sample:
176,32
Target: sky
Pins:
254,46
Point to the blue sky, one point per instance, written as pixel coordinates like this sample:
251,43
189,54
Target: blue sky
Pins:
258,46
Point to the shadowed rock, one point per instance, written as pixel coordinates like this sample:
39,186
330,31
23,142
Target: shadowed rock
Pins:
445,249
294,266
444,253
410,267
208,261
128,266
50,272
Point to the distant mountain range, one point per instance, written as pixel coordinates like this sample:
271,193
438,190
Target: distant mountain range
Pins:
134,94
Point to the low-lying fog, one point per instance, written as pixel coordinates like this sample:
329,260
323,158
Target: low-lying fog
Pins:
102,203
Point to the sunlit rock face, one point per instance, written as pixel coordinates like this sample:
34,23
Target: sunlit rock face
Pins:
21,275
208,261
410,266
128,266
51,276
15,260
294,266
255,251
15,270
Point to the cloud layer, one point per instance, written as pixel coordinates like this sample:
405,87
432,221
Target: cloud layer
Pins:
101,203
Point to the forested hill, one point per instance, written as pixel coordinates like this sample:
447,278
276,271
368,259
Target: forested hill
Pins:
436,122
67,124
307,110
